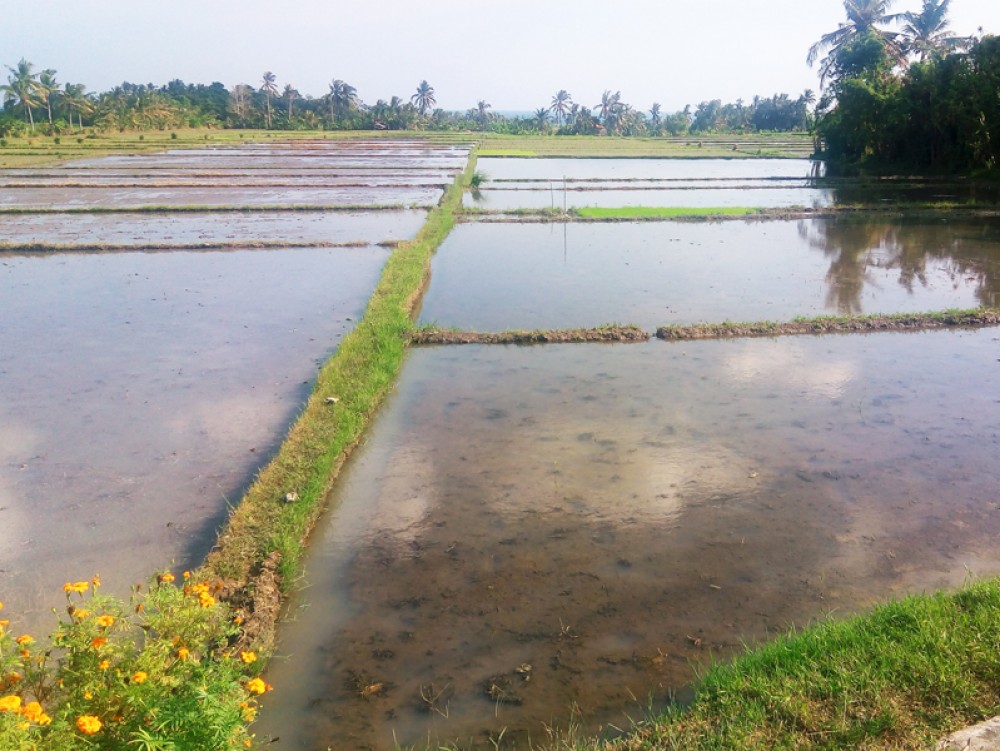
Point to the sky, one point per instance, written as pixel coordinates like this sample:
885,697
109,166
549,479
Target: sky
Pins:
515,54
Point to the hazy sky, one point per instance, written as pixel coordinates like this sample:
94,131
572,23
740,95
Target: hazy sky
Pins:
515,54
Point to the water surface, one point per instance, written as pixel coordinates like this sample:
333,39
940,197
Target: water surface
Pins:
491,277
531,533
139,392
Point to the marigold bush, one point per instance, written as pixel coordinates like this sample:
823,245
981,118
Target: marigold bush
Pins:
157,672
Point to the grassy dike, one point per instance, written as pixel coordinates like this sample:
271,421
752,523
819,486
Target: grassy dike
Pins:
261,548
898,678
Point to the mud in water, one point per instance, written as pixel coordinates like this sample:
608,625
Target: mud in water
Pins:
545,535
198,228
646,169
492,277
139,393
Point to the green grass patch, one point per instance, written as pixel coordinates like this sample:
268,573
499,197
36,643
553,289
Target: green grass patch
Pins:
661,212
899,677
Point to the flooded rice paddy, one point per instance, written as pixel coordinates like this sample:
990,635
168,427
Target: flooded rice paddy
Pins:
493,277
532,534
369,227
141,391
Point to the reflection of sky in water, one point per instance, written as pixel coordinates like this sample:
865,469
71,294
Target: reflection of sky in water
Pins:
492,277
722,489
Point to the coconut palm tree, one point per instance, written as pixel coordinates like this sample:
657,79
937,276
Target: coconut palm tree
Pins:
656,116
542,119
290,94
76,100
560,106
863,17
424,99
21,89
342,97
47,89
926,33
269,89
609,105
483,114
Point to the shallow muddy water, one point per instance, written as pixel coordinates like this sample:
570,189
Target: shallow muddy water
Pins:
117,197
492,277
754,195
535,533
164,228
139,392
645,169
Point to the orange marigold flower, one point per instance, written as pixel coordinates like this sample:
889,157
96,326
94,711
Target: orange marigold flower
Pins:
166,578
257,686
248,657
88,724
12,679
81,613
4,623
78,587
106,621
187,575
24,640
104,665
140,607
139,677
32,711
10,703
206,600
1,605
182,653
96,581
98,641
87,695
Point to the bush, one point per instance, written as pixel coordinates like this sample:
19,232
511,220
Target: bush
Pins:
156,672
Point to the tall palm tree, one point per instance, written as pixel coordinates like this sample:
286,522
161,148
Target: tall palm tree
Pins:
22,89
343,97
542,119
424,99
76,100
926,33
270,89
863,17
47,88
483,114
290,95
560,106
656,116
609,105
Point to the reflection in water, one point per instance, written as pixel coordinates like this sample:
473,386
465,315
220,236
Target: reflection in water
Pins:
492,277
964,253
537,533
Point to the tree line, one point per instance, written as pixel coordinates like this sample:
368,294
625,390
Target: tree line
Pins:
36,102
904,93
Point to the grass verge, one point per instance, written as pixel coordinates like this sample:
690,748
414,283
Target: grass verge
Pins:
610,333
897,678
662,212
261,548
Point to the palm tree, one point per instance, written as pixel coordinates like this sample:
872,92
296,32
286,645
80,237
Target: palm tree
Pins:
863,17
343,97
483,114
270,90
926,33
47,88
609,105
22,89
656,116
424,99
75,99
542,119
560,106
290,95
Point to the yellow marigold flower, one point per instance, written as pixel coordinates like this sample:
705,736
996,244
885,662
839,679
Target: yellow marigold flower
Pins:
257,686
166,578
10,703
81,613
104,665
88,724
44,719
249,714
248,657
1,605
98,641
24,640
139,677
248,743
87,695
182,653
32,711
4,623
106,621
187,575
78,587
206,600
